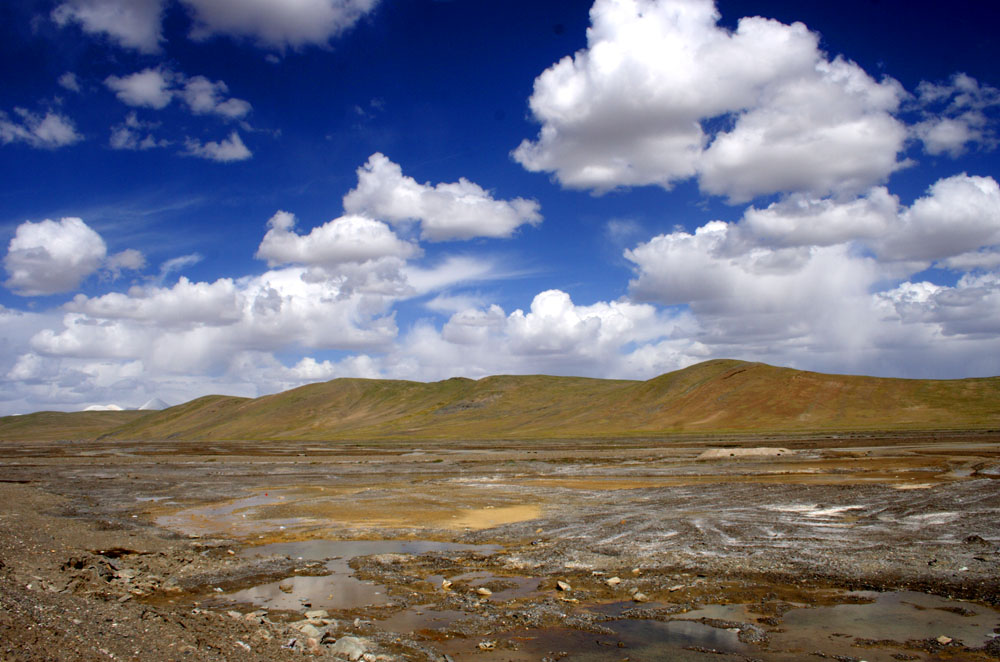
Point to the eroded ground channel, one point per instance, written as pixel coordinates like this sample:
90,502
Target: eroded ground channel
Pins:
852,547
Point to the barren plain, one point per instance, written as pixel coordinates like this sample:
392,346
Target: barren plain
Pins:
861,546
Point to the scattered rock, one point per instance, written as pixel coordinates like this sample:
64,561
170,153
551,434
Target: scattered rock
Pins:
308,629
639,597
351,648
445,585
317,613
978,540
943,640
487,645
482,590
613,581
563,586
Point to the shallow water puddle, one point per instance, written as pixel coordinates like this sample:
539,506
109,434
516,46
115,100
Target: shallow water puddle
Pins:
899,616
422,620
340,589
634,640
875,631
233,517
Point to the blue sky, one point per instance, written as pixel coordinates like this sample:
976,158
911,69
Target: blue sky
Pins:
211,196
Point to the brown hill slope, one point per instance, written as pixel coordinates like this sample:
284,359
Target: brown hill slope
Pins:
715,396
59,425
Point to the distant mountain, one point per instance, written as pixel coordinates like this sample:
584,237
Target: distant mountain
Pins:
715,396
154,404
104,408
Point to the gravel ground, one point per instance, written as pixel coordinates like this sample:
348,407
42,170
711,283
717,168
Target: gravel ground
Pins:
123,551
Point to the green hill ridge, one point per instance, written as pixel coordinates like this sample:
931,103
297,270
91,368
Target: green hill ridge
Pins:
715,396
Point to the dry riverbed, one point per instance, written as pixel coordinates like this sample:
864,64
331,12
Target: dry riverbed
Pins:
852,547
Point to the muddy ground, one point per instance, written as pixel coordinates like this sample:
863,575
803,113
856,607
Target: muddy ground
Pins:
570,550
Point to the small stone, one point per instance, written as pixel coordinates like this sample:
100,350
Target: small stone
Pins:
317,613
482,590
235,615
639,597
308,629
445,585
636,571
312,644
676,588
943,640
487,645
285,588
350,647
230,552
563,586
613,581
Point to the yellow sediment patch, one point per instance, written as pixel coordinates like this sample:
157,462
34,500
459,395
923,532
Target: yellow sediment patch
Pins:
487,518
739,453
309,511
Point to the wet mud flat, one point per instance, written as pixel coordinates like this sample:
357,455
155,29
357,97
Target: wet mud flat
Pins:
846,547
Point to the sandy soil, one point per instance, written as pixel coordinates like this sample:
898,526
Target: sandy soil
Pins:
134,550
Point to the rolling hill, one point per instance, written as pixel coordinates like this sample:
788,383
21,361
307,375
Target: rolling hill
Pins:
715,396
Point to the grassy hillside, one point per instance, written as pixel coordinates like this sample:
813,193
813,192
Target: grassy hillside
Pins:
716,396
63,426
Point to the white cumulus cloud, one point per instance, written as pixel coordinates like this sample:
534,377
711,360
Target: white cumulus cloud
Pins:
203,96
48,131
130,23
831,284
955,117
49,257
135,134
458,210
156,88
554,336
69,81
959,214
149,88
342,240
276,23
227,150
637,105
